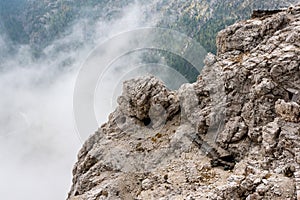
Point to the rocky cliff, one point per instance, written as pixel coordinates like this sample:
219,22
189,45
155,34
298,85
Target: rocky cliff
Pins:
233,134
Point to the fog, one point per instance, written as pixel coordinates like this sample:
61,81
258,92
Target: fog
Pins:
38,137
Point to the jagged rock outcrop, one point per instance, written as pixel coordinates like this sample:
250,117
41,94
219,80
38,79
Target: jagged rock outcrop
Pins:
151,99
233,134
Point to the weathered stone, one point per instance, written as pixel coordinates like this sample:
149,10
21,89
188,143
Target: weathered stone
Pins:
147,184
245,36
147,97
288,111
234,131
270,135
244,105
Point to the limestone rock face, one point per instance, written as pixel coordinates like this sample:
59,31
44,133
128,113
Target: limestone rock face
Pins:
233,134
146,97
246,35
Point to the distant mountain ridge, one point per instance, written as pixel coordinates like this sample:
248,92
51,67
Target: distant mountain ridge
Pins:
38,23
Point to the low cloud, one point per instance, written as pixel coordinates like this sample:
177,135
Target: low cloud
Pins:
38,138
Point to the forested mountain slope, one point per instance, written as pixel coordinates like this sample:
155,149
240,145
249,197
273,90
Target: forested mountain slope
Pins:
39,22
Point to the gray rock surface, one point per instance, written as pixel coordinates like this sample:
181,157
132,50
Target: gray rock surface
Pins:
233,134
147,98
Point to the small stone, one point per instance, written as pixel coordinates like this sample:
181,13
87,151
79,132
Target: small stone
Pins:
257,181
261,189
147,184
253,196
210,59
289,111
265,181
277,191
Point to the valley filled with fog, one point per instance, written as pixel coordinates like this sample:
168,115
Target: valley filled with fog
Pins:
39,140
